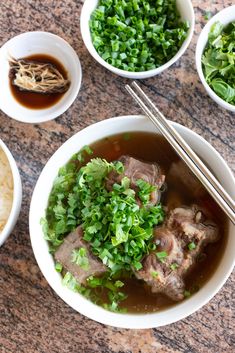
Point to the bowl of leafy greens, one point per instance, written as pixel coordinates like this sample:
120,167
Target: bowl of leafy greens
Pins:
137,39
215,58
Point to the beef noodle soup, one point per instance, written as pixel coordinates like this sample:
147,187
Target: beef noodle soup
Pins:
130,227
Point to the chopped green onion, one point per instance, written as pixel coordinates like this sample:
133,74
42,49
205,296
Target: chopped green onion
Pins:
137,35
79,257
191,246
58,267
154,274
161,255
174,266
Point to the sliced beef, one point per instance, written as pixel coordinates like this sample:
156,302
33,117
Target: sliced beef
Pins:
64,256
183,226
135,170
181,175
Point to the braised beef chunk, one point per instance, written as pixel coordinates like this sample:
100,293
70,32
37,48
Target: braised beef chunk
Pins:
64,255
179,242
135,170
182,176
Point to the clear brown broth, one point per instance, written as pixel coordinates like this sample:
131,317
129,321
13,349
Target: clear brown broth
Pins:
154,148
34,100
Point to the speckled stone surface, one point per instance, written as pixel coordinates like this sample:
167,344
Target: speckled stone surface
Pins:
32,317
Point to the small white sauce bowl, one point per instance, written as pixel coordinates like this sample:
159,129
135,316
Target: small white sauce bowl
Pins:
17,195
45,260
185,8
28,44
225,16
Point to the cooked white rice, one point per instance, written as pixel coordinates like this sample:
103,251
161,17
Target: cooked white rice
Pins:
6,189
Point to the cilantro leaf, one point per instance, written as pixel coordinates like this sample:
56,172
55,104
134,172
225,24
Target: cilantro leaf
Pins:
218,61
79,257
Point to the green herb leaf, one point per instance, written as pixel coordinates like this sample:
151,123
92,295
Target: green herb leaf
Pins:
191,246
161,255
79,257
118,229
218,61
174,266
154,274
58,267
119,284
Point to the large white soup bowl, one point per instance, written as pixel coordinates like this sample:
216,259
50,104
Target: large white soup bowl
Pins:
45,260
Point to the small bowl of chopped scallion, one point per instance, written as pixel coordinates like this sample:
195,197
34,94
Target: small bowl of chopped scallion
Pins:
137,38
215,58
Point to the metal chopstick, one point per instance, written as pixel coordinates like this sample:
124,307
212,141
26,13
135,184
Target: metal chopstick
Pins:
185,152
187,148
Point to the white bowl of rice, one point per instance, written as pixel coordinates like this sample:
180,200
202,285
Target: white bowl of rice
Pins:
10,192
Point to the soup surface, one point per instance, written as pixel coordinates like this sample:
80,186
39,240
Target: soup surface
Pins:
151,147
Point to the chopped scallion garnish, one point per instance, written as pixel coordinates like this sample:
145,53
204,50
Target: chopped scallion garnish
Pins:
174,266
161,255
154,274
191,246
79,257
137,35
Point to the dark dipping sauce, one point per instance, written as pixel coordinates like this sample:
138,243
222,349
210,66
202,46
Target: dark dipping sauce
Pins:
34,100
154,148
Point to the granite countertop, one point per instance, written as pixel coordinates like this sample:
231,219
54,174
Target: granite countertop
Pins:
32,317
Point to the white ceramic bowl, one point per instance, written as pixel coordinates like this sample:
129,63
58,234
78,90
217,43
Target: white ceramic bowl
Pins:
45,260
31,43
17,195
186,10
225,16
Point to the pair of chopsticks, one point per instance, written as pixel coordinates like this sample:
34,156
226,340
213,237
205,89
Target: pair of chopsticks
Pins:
195,164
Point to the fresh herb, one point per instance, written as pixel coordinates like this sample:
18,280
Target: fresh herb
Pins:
62,206
191,246
79,257
114,295
119,284
145,190
70,282
174,266
137,35
218,61
58,267
117,228
161,255
154,274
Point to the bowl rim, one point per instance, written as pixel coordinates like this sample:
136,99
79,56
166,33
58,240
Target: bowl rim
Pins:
92,311
200,50
17,194
137,74
46,115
